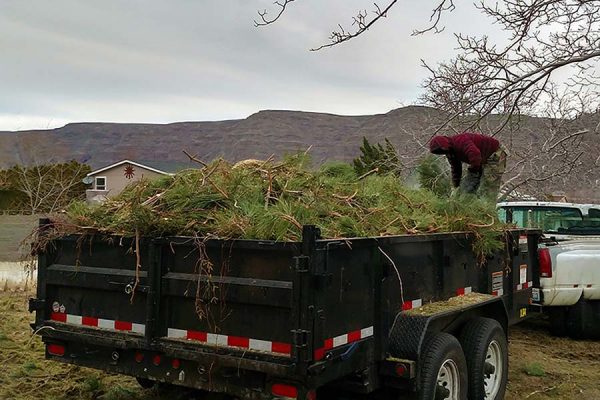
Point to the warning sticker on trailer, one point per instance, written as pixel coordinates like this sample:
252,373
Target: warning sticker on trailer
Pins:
497,281
523,273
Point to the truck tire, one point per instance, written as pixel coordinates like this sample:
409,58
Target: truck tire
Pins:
580,320
486,350
558,320
443,372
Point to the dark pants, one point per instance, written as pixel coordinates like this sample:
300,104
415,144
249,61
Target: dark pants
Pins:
489,177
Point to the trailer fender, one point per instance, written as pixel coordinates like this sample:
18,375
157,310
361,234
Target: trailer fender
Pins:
410,329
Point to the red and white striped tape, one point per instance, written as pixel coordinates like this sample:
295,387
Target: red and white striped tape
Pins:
498,292
523,286
98,322
342,340
410,304
231,341
463,291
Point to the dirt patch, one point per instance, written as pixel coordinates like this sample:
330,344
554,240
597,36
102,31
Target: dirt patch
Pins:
547,367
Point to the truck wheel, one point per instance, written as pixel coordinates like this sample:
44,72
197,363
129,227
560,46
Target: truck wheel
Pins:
443,370
486,350
578,320
558,320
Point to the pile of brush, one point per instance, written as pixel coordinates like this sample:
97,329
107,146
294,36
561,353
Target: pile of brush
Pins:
272,200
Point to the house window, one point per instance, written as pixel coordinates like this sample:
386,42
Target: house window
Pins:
100,183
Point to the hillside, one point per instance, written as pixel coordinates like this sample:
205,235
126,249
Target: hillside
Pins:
258,136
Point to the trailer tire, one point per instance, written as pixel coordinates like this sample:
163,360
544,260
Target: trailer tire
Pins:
443,372
486,349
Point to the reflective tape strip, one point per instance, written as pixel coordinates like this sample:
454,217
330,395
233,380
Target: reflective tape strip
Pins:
463,291
410,304
498,292
231,341
525,285
342,340
101,323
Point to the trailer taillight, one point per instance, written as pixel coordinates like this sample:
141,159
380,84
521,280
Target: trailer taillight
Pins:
139,357
175,363
545,262
156,360
401,370
56,349
281,390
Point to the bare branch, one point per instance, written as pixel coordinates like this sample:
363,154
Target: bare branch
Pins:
264,20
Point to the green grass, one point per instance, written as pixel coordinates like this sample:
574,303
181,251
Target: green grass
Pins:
535,369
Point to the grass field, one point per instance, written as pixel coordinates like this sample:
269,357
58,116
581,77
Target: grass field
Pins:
541,366
13,229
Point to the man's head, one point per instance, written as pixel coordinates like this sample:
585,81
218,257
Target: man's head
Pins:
439,145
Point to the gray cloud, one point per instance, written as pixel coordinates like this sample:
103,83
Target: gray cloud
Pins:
159,61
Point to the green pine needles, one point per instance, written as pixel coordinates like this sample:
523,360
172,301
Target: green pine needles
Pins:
272,201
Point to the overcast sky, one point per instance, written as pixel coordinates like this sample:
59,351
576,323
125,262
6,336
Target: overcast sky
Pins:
183,60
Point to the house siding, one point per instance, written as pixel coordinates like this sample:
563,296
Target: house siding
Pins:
116,180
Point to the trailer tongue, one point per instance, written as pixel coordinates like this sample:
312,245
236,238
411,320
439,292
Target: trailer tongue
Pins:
262,320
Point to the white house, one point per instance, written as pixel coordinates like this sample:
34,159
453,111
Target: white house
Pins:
109,181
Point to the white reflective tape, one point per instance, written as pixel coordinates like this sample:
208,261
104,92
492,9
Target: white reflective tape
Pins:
74,319
176,333
340,340
499,292
530,284
417,303
106,323
217,340
138,328
366,332
261,345
468,290
519,287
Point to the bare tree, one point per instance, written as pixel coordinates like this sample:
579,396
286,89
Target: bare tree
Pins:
546,66
48,187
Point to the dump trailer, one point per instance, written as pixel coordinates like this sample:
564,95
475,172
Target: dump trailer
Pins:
411,316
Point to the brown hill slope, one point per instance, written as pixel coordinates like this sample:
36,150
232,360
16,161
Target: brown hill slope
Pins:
258,136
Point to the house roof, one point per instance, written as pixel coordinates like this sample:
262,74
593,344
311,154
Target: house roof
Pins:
128,162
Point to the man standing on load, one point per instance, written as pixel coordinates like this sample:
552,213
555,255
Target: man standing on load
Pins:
478,151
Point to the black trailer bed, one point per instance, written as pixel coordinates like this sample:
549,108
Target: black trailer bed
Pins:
243,316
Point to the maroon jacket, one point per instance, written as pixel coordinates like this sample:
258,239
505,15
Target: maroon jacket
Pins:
471,148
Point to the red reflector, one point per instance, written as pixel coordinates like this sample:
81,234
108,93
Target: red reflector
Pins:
56,349
139,357
175,363
401,370
282,390
545,263
156,360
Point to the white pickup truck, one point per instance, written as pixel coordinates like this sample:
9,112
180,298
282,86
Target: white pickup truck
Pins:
569,262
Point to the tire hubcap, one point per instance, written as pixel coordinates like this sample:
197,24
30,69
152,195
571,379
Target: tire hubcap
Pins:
448,381
493,370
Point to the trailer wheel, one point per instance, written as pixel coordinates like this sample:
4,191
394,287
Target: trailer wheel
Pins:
443,370
486,350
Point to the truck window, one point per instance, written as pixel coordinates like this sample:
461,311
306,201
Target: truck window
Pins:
548,219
